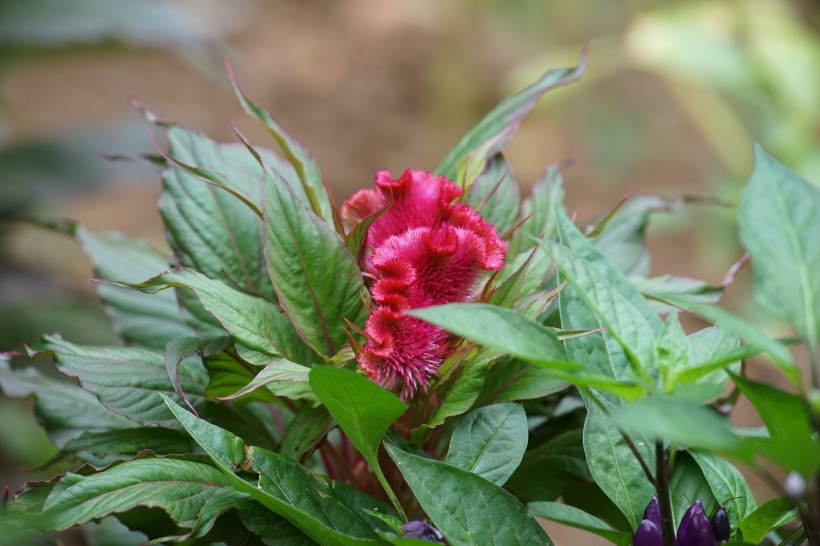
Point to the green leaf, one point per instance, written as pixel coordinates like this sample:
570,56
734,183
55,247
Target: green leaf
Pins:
309,172
563,455
316,278
282,378
608,293
460,393
189,349
496,195
786,415
490,441
657,289
127,380
210,229
192,493
499,329
673,351
614,466
362,409
681,421
498,125
575,517
136,318
622,240
102,448
259,328
714,348
687,484
727,483
779,219
63,408
512,380
546,196
328,512
466,508
746,332
307,429
272,530
765,519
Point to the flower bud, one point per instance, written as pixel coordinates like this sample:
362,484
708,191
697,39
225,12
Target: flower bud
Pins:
422,531
648,534
720,525
694,528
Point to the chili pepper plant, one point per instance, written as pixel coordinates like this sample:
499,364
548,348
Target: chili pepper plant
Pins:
433,359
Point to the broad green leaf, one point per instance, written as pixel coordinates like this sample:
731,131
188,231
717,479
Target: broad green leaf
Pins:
259,328
766,518
622,239
490,441
539,210
316,278
512,380
600,352
713,346
127,380
63,408
747,333
498,125
614,299
657,289
460,393
681,421
192,493
575,517
362,409
687,484
614,466
328,512
466,508
727,483
102,448
270,528
189,349
563,455
499,329
136,318
210,229
496,195
309,172
673,351
786,415
282,378
779,219
307,429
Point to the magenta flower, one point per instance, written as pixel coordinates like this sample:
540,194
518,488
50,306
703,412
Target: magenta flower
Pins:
424,250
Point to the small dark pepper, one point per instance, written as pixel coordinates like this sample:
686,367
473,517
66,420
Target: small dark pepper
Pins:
720,525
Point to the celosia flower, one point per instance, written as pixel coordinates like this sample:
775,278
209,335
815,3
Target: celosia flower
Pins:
424,250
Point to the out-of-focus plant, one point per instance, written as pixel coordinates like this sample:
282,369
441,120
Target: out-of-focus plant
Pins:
506,358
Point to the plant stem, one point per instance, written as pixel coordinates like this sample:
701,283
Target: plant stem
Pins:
664,503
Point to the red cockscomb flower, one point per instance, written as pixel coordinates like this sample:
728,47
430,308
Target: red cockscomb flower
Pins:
424,250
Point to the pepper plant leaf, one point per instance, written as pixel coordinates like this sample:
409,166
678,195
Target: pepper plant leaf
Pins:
490,441
779,219
466,508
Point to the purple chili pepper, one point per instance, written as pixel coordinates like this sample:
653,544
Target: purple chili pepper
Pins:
421,530
648,534
653,512
694,529
720,525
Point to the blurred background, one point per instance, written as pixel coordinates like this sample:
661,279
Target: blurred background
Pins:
675,94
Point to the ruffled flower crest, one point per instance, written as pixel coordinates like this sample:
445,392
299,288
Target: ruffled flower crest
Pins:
424,250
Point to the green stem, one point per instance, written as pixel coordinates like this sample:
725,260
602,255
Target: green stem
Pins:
664,503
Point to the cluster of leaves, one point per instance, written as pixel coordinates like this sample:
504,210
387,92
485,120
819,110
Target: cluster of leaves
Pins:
233,412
